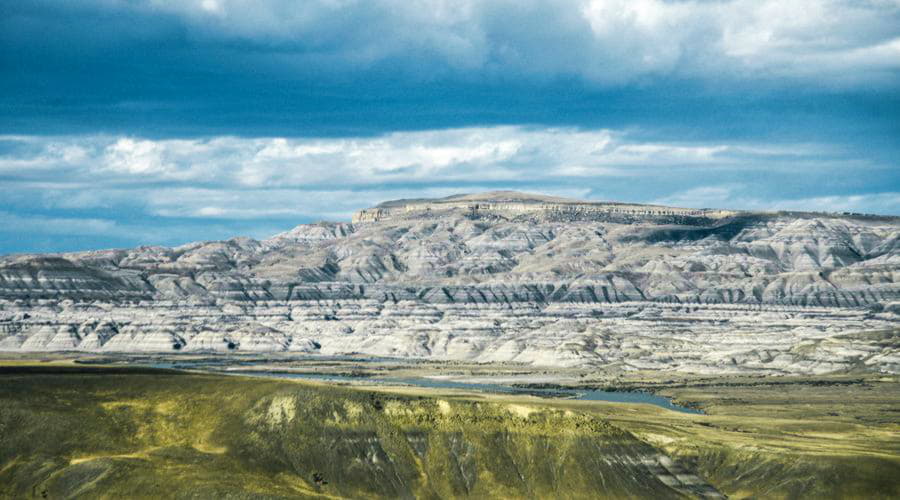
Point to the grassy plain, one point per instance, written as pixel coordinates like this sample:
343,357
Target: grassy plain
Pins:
826,437
114,432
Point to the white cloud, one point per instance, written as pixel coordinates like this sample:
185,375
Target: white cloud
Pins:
883,203
604,41
326,204
111,180
130,156
483,154
720,196
739,196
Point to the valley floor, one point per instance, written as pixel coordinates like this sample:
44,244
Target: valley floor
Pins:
108,428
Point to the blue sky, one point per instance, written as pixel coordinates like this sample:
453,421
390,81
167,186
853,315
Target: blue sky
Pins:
126,122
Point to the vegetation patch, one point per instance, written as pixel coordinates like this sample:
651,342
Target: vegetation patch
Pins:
97,432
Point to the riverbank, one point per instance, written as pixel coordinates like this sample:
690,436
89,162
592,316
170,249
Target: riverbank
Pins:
91,430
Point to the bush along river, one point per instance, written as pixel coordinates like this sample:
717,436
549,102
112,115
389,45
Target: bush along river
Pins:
582,394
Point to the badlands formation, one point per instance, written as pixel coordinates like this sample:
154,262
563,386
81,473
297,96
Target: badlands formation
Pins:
499,276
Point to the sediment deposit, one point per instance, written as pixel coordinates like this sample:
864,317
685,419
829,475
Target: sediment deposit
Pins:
492,277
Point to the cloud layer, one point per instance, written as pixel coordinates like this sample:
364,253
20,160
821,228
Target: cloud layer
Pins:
148,121
112,186
607,42
346,67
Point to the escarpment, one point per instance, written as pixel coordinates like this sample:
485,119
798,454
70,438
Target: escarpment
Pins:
514,205
492,277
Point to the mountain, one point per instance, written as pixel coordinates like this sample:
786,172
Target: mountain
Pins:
498,276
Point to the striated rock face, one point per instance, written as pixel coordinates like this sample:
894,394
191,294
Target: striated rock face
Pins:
511,204
492,277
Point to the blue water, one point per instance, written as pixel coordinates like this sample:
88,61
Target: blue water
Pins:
636,397
582,394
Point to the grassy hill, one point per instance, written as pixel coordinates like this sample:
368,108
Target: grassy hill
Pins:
130,433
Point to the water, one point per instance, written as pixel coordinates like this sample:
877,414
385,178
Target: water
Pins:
637,397
211,364
581,394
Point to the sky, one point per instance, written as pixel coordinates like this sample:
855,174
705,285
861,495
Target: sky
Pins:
151,122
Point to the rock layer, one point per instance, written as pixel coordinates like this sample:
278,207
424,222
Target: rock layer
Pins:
492,277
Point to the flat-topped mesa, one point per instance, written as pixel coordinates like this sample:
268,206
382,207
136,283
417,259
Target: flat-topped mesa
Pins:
620,285
515,205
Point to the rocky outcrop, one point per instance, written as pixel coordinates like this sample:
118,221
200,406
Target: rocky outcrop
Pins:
520,278
514,205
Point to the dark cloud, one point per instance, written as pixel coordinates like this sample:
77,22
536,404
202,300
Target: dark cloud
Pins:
122,190
804,95
350,67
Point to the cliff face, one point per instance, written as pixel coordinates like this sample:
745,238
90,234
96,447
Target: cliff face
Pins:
555,282
519,206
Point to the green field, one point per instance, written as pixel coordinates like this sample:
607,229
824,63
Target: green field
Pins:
116,432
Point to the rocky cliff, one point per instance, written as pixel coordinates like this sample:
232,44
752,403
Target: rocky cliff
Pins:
492,277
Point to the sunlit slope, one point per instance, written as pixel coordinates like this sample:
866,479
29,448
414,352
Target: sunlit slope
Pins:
75,432
166,435
782,438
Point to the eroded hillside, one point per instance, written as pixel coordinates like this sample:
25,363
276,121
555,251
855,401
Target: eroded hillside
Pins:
107,432
132,434
498,276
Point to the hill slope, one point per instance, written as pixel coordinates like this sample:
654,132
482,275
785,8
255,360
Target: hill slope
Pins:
496,276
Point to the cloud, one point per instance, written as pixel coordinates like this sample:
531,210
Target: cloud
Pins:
218,117
750,70
606,42
466,155
883,203
279,182
739,196
129,156
703,197
286,204
70,192
21,233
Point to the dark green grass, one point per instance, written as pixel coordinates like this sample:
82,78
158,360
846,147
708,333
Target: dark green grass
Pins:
118,433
